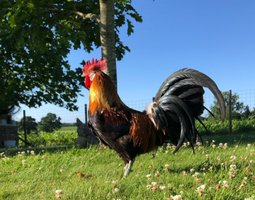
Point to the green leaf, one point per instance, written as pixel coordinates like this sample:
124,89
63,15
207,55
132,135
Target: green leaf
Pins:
12,21
130,28
30,5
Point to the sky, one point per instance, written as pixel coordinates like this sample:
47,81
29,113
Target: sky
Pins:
216,37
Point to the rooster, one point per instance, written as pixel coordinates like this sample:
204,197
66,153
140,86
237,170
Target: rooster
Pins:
170,117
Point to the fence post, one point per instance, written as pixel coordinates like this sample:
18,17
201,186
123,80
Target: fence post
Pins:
24,127
86,114
230,111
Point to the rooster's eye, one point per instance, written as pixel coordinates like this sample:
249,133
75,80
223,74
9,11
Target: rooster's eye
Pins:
91,76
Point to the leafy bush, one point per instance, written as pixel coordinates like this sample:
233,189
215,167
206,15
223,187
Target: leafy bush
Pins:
219,127
64,136
31,125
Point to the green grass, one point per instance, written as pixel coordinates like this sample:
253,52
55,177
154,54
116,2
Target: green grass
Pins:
227,171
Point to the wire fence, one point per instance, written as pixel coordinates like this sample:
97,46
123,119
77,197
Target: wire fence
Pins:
245,96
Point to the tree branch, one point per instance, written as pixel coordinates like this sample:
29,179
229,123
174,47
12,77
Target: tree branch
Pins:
88,16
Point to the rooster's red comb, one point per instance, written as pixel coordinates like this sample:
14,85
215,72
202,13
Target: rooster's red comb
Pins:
94,65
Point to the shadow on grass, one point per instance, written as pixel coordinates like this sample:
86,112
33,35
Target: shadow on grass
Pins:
9,195
203,166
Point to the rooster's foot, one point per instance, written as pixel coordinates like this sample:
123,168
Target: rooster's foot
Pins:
127,168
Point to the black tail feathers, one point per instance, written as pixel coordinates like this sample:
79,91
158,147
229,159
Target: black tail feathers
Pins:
179,102
172,114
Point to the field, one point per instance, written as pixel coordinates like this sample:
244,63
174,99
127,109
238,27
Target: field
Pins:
223,168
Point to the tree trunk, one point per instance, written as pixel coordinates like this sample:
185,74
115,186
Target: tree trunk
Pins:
107,37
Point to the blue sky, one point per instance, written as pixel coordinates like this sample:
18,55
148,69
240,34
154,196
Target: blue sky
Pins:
216,37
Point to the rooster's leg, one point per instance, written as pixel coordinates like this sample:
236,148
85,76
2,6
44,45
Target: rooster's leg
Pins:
127,168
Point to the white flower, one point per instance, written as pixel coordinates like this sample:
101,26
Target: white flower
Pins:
244,182
167,166
232,171
154,183
148,175
225,184
176,197
232,158
116,190
153,186
162,187
58,193
199,143
232,167
201,190
157,174
184,173
23,162
22,153
192,170
114,184
196,174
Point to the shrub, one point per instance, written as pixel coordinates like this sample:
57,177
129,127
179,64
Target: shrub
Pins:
219,127
56,138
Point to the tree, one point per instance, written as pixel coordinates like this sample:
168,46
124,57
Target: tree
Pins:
252,113
107,36
30,124
36,37
238,108
50,122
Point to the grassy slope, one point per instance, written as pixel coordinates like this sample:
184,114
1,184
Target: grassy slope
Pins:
37,176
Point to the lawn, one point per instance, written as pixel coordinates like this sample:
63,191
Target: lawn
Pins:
223,168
